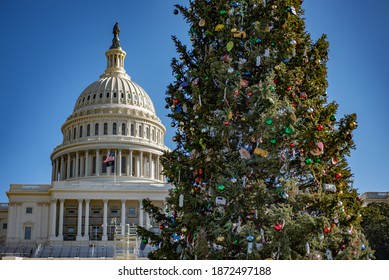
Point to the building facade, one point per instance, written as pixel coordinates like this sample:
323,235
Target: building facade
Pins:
107,163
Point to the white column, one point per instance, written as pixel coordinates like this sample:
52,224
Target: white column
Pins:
157,168
60,229
82,171
56,170
76,171
53,213
79,220
141,164
123,216
10,221
141,223
62,168
119,160
130,163
150,166
68,168
87,163
38,227
105,221
148,223
98,164
86,228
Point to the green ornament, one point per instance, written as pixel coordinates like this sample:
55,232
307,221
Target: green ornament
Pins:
175,190
167,210
288,130
317,160
308,161
273,141
222,12
221,187
269,121
236,242
230,46
333,118
178,77
206,78
271,88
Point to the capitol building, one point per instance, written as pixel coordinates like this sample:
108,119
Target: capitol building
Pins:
107,163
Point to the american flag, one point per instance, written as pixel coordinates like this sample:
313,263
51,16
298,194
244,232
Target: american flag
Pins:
110,159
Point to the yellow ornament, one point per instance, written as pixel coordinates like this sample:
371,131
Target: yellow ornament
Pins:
260,152
230,115
220,239
219,27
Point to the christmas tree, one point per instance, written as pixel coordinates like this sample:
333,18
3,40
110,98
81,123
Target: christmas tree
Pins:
260,167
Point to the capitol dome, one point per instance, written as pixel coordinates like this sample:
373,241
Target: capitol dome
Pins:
113,116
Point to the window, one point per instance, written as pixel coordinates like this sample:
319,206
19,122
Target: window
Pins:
96,129
5,225
131,211
94,96
132,130
114,212
88,130
140,132
29,210
71,230
74,133
94,165
123,129
105,128
88,97
122,95
27,233
147,133
101,95
81,131
114,95
71,175
107,94
114,129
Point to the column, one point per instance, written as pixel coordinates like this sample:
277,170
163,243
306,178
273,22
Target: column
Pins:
86,228
11,221
53,213
108,169
141,164
68,168
98,164
62,168
82,165
77,167
79,220
60,229
87,163
148,223
123,216
56,170
105,222
52,170
119,160
141,213
158,175
38,227
130,163
150,166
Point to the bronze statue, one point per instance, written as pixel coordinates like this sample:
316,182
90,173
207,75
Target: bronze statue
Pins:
115,40
116,30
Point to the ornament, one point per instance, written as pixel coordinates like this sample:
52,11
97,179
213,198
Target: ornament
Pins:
303,95
226,123
181,200
278,227
310,110
219,27
273,141
329,254
334,161
329,188
250,238
244,154
175,11
338,175
333,118
269,121
308,161
318,150
220,239
221,187
258,61
184,230
327,229
202,22
352,125
220,201
272,88
307,248
230,46
292,10
288,130
222,12
342,246
161,227
260,152
315,256
239,34
320,127
363,247
244,83
172,124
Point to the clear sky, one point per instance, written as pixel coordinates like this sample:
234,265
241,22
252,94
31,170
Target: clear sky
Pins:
50,51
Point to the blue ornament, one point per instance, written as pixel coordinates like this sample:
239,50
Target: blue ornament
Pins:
235,4
250,238
363,247
175,11
178,108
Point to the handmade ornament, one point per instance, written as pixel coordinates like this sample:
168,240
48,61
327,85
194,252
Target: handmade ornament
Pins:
181,200
220,201
230,46
244,154
318,150
202,22
260,152
329,188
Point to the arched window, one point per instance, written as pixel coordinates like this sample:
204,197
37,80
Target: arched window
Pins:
81,131
101,95
96,129
114,95
88,130
94,96
153,135
114,128
132,130
140,133
123,129
107,94
147,133
105,128
74,133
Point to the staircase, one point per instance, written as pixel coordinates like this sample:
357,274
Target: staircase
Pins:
126,243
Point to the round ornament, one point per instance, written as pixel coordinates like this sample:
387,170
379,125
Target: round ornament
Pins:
310,110
269,121
308,161
288,130
220,239
327,229
333,118
320,127
250,238
221,187
273,141
161,227
202,22
244,154
175,11
338,175
278,227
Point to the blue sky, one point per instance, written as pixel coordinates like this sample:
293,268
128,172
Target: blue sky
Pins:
51,51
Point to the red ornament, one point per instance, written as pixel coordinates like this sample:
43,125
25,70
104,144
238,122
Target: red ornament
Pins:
175,101
342,246
250,94
319,127
278,227
358,198
289,88
291,144
226,123
338,175
327,229
161,227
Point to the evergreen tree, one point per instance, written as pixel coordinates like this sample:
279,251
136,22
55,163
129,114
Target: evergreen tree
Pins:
259,169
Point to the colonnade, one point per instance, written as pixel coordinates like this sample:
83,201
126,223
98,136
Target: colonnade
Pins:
132,163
